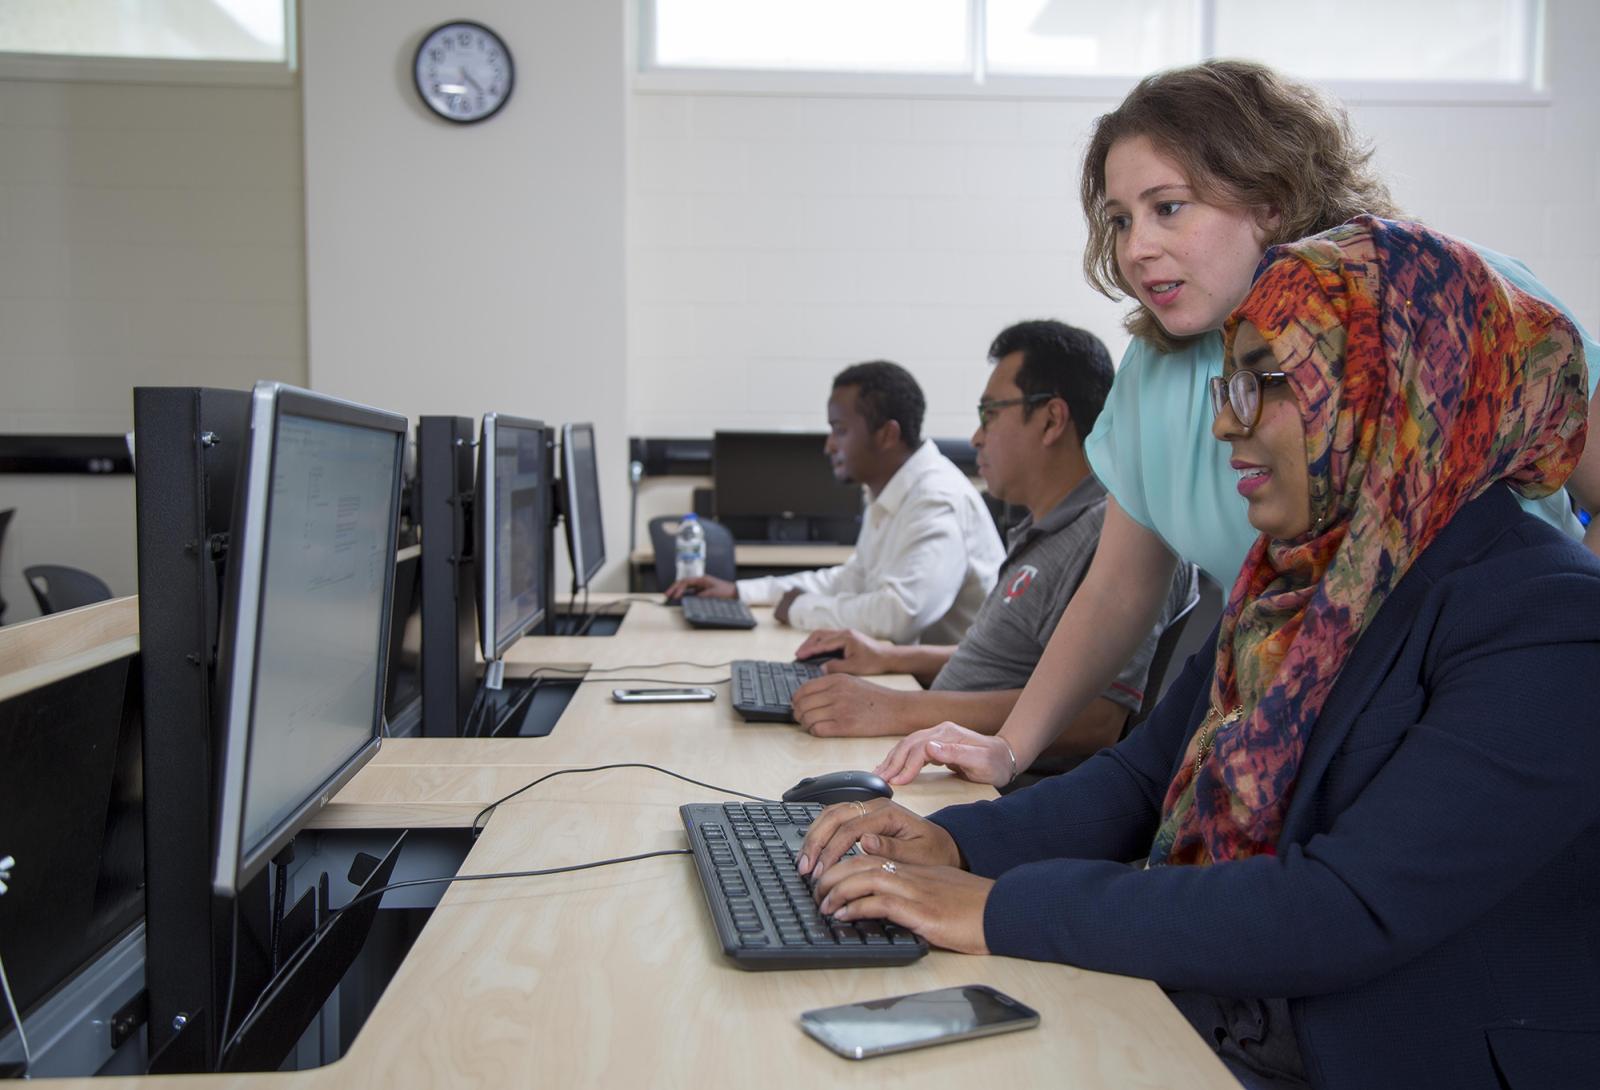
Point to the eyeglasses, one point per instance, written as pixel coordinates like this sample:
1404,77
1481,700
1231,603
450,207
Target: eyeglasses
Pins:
988,409
1242,391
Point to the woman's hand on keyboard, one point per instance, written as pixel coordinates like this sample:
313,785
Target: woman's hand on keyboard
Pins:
982,758
942,904
884,829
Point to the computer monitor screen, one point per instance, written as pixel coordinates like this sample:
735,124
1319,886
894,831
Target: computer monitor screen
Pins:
580,484
778,474
513,504
306,621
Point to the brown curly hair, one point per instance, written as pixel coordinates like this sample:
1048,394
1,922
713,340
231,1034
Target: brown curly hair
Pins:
1244,136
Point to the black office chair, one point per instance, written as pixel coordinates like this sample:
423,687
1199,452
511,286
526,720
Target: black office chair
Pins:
1166,644
664,540
1160,659
5,520
58,588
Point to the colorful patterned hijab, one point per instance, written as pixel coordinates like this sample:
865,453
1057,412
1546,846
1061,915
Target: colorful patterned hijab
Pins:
1422,379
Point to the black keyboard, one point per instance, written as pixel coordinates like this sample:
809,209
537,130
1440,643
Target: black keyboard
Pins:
765,915
762,691
717,612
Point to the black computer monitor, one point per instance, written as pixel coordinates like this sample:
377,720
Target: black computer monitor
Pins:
779,485
513,530
305,617
580,492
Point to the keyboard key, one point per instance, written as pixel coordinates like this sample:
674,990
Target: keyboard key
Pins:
745,858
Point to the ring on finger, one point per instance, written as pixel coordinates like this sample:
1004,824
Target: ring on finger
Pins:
862,807
889,867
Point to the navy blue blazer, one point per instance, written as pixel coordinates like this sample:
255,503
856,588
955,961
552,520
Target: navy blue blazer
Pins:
1433,912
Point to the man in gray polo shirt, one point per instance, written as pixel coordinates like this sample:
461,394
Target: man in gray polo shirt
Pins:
1047,386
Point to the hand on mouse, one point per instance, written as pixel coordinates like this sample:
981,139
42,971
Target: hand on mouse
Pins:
841,706
862,654
883,828
982,758
706,586
942,904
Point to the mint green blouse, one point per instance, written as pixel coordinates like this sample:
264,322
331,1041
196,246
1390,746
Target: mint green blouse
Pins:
1153,450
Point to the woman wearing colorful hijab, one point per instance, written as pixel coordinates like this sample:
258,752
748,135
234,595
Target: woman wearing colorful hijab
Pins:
1362,825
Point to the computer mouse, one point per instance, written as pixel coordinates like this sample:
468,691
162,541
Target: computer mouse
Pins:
822,656
839,787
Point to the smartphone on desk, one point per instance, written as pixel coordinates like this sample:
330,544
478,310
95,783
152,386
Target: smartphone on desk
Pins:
857,1031
687,694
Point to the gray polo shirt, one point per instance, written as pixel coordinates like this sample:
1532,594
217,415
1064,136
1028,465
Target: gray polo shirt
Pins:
1045,564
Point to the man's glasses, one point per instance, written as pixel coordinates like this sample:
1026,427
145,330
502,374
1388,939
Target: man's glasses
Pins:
988,409
1242,391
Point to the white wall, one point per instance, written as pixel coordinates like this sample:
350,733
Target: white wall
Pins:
457,269
149,234
777,238
156,234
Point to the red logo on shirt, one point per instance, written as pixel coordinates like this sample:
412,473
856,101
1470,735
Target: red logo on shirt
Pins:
1020,583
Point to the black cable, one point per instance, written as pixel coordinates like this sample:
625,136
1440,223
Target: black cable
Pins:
476,829
333,917
516,706
474,708
588,618
233,975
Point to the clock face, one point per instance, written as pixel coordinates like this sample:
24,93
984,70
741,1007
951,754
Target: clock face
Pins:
463,71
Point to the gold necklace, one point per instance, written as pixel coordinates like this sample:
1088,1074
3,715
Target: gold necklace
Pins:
1215,721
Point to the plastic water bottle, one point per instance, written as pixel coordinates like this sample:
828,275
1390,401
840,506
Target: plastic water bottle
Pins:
691,548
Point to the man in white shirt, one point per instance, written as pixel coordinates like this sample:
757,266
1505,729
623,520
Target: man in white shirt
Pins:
928,551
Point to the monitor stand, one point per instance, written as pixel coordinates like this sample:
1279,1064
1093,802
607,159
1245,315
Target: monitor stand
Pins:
293,998
594,623
519,707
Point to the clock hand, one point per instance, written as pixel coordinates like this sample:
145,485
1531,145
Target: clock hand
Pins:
450,88
468,77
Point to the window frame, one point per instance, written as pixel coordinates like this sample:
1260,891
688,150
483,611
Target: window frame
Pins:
94,68
650,78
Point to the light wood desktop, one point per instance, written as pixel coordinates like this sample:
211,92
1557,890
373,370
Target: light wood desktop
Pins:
613,977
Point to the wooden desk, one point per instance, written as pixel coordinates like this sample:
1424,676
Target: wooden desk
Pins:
613,977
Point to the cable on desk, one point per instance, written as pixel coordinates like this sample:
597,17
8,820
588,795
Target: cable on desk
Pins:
487,810
322,928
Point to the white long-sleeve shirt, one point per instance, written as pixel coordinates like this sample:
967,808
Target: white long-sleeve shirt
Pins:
927,557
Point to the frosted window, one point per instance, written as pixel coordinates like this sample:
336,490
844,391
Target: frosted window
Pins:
229,30
1434,40
814,35
1090,37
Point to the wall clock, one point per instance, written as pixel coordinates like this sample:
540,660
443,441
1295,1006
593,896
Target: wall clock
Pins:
463,71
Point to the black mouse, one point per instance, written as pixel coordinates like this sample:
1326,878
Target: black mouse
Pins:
822,656
839,787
